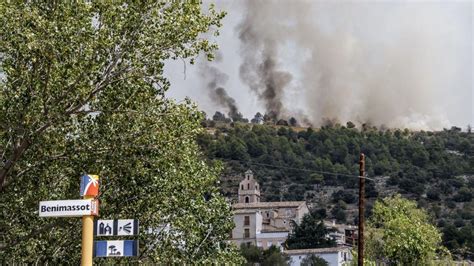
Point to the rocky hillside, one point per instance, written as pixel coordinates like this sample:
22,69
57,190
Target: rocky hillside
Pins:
321,167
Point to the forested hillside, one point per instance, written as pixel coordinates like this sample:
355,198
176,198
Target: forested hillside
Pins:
321,167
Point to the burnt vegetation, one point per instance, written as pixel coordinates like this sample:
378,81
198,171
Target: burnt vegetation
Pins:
321,165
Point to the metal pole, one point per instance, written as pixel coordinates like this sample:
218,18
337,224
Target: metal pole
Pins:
87,237
360,242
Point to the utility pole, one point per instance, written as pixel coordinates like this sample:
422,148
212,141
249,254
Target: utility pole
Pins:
360,242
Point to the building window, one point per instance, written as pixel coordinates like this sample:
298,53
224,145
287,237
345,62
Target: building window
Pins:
248,186
242,187
246,220
256,187
246,199
246,233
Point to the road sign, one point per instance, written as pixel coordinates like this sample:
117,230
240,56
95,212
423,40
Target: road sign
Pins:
68,208
116,248
125,227
89,185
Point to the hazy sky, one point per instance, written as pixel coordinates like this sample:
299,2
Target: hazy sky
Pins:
397,63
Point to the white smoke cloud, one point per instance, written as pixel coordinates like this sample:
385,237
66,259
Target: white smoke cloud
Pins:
394,63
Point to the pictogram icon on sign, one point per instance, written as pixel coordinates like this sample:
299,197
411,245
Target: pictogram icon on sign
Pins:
127,228
104,228
114,251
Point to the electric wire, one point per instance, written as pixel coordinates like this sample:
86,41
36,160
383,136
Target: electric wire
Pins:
295,168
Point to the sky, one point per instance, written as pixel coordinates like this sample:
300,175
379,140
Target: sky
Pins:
406,64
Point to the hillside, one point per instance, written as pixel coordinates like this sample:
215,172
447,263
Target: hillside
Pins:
321,167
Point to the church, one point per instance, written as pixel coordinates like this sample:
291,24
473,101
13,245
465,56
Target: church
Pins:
263,223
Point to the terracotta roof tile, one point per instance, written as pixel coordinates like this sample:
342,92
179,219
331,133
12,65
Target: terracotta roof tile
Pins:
264,205
315,250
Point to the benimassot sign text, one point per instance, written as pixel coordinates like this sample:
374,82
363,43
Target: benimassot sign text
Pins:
68,208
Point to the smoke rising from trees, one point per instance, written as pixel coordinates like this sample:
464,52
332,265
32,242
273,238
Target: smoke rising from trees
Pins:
215,80
220,96
259,67
378,63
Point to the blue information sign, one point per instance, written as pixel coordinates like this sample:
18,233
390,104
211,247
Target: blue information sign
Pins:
116,248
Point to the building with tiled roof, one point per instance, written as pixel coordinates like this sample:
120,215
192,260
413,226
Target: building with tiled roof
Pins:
336,256
263,223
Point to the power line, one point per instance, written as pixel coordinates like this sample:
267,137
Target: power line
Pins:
295,168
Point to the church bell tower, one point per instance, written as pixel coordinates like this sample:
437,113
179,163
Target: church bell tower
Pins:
249,189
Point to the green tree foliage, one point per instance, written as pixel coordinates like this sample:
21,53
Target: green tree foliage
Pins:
273,257
458,236
310,233
412,160
464,195
82,91
314,260
347,197
400,233
269,257
251,253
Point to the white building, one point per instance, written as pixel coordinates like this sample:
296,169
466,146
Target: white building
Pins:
263,223
343,234
335,256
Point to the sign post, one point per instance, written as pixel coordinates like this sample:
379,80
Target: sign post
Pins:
89,190
88,207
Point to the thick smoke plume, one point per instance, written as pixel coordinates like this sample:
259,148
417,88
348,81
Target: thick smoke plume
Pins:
215,80
379,63
259,68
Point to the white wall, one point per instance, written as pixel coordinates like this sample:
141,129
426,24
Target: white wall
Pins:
258,223
334,259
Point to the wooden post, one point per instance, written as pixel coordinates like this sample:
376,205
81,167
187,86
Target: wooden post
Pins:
360,244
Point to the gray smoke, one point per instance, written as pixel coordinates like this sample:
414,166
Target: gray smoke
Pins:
377,63
215,80
259,67
221,97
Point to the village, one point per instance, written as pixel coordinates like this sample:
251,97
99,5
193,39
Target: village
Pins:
266,224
